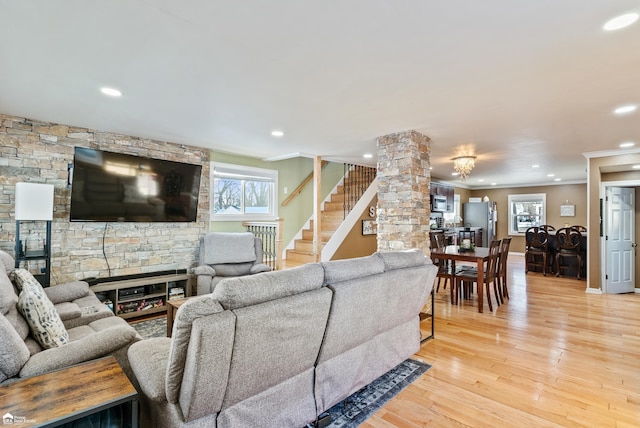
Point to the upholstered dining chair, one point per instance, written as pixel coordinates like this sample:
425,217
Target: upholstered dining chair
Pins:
568,241
537,246
470,276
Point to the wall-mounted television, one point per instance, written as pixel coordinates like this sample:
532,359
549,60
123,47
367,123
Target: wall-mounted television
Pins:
111,187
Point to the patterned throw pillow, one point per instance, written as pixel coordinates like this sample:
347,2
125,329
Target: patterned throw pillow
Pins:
43,319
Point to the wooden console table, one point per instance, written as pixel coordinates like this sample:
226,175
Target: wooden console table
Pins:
172,308
66,395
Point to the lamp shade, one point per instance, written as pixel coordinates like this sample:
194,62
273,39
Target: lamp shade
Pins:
34,201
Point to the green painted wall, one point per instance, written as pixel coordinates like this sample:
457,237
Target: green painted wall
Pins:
291,172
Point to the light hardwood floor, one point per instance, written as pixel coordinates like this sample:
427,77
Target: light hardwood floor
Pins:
552,356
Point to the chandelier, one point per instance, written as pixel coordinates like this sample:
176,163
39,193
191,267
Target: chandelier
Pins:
463,165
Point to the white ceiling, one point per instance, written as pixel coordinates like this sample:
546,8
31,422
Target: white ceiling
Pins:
513,82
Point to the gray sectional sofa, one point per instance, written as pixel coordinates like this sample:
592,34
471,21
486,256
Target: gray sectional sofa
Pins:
279,348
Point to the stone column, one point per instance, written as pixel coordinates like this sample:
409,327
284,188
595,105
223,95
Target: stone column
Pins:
403,191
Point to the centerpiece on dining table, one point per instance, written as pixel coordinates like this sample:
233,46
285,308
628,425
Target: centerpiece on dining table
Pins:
466,245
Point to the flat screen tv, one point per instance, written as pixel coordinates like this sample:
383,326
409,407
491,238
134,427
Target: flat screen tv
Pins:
111,187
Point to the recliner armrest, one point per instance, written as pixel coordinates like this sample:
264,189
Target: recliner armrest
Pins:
259,267
204,270
149,360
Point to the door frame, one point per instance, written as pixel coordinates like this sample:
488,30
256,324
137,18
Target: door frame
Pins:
604,185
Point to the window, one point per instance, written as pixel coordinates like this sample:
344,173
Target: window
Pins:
243,192
526,211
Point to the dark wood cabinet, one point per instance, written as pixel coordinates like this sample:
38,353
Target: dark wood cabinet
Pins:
441,189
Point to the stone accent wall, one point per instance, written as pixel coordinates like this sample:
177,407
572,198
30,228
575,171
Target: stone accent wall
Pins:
39,152
403,191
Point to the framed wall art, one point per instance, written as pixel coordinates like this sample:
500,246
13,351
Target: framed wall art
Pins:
369,227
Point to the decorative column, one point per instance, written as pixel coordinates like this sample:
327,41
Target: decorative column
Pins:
403,191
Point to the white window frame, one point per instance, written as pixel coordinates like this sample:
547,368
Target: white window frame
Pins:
531,197
242,172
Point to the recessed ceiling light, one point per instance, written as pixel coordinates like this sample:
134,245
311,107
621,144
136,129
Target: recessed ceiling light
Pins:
535,166
277,133
367,155
481,180
636,167
557,179
551,175
494,184
454,173
625,109
620,21
112,92
627,144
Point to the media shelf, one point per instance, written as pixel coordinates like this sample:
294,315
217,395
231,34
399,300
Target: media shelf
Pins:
131,298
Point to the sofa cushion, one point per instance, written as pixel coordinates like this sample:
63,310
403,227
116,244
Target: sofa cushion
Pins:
43,319
8,297
403,259
67,292
13,352
7,262
68,310
343,270
233,293
227,247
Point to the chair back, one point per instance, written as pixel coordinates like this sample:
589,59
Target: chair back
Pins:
504,252
537,238
568,240
547,227
492,264
440,241
580,229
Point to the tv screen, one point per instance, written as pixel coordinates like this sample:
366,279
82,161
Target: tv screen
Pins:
108,186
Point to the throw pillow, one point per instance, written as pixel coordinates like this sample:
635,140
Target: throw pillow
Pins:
43,319
22,276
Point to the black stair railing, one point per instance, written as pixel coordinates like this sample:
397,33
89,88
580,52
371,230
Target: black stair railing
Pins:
357,179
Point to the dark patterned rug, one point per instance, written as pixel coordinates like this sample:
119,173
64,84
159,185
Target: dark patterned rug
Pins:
356,408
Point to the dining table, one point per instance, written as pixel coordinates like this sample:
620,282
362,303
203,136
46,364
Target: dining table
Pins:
478,255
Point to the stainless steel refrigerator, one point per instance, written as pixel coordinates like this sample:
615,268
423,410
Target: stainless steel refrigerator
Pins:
481,214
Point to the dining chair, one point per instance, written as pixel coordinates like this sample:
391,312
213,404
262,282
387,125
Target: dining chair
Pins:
445,269
547,227
502,268
568,241
537,245
470,276
580,229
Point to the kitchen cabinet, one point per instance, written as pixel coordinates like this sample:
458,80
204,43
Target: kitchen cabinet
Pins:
441,189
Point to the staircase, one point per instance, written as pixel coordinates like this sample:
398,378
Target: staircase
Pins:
334,211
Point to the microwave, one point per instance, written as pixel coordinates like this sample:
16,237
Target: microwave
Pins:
439,203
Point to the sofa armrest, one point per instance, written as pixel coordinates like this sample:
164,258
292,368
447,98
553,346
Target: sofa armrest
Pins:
96,345
149,360
67,292
204,270
259,267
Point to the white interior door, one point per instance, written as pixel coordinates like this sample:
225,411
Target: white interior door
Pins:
619,240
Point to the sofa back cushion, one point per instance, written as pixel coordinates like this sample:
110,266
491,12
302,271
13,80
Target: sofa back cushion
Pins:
233,293
357,304
402,259
276,341
227,247
342,270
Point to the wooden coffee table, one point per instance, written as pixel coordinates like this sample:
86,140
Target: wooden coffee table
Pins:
172,308
69,394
